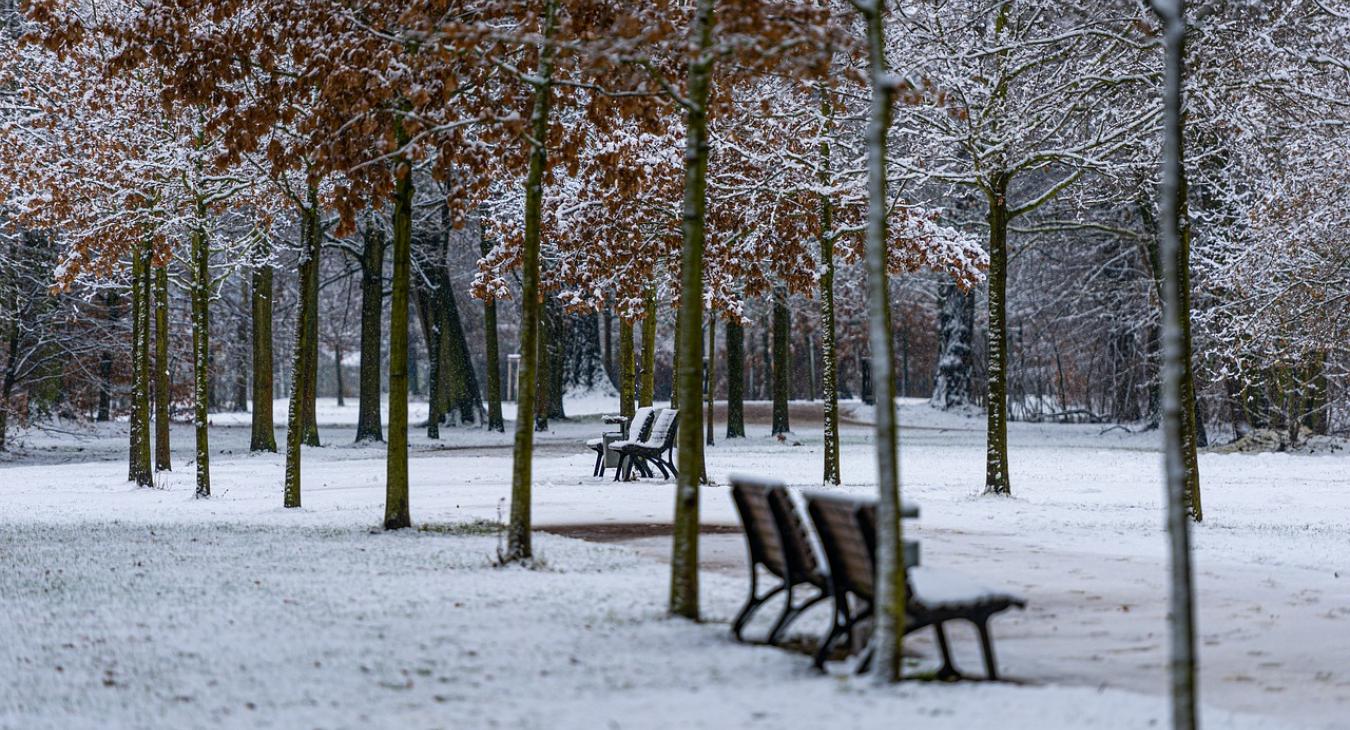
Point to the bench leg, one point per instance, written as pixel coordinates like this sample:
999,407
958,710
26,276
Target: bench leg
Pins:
990,665
790,614
622,467
836,629
752,603
599,470
947,672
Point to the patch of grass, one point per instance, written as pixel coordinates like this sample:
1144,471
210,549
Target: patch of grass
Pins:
477,527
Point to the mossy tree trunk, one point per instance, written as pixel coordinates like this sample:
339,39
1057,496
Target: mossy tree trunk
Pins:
829,357
139,470
306,338
163,388
1176,443
627,370
518,531
201,351
889,629
312,231
996,479
684,587
396,511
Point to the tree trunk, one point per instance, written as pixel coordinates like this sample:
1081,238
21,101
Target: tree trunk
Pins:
996,480
493,367
1176,462
781,376
1193,425
368,426
396,511
140,470
304,341
263,437
518,531
542,376
889,629
956,328
242,348
735,379
105,365
1316,416
607,345
201,349
647,381
689,354
432,332
829,356
710,379
312,229
163,391
626,370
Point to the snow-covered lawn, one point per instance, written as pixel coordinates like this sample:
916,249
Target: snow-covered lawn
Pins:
145,608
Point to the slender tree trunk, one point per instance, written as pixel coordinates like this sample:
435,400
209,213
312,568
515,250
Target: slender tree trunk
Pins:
781,377
1193,424
543,376
243,346
711,378
647,381
493,368
431,327
368,426
996,480
829,356
140,470
626,370
396,511
689,354
956,323
889,629
201,348
735,379
1182,610
518,531
105,365
163,391
312,229
304,342
11,376
337,374
263,437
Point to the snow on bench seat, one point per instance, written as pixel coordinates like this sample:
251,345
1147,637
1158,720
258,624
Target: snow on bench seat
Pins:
944,590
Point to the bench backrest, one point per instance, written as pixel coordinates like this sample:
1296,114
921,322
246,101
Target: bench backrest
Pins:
836,522
641,425
757,517
663,430
775,530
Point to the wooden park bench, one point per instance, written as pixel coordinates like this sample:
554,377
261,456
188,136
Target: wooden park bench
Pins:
638,427
779,544
657,448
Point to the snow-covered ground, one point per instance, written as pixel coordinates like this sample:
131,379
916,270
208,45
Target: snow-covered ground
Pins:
146,608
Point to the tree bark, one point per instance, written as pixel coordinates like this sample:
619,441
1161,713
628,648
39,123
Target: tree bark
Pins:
491,346
781,376
996,480
105,365
163,390
312,229
396,512
956,328
889,629
829,356
626,370
735,379
368,427
243,346
305,340
518,531
689,354
263,437
1175,443
647,380
140,470
201,349
711,379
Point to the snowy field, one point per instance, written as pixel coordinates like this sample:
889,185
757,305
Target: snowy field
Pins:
129,608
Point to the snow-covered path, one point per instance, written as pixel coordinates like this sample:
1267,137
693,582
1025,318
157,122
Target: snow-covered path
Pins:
200,608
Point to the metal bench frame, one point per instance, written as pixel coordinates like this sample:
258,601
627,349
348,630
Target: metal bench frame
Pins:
777,541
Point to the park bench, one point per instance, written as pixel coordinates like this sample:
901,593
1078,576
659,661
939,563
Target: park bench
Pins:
658,448
934,597
642,419
779,544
